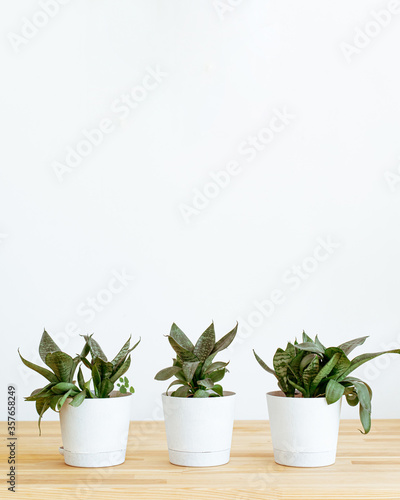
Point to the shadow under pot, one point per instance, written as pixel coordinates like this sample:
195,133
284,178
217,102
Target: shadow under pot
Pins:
304,431
199,430
95,434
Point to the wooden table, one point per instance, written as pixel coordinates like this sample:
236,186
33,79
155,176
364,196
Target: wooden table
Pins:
367,467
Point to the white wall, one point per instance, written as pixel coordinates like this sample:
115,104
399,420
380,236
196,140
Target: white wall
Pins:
330,173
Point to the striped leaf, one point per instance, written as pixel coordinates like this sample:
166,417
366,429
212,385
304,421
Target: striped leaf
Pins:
46,346
347,347
205,344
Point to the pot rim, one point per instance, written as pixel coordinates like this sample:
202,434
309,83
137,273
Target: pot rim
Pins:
226,394
281,396
112,398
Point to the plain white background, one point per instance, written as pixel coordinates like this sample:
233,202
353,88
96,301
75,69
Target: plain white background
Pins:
226,71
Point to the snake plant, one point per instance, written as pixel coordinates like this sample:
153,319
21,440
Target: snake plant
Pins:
62,366
311,370
194,367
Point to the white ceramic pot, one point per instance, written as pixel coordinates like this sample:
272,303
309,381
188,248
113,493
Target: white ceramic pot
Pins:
95,434
199,430
304,431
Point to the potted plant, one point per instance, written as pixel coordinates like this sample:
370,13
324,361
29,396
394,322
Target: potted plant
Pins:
198,413
94,417
304,415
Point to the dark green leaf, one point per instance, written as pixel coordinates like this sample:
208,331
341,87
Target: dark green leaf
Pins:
225,341
62,400
62,364
334,391
207,383
81,380
182,392
324,372
189,369
63,387
217,375
51,377
167,373
364,358
47,345
180,338
347,347
78,399
200,393
121,370
311,347
205,344
183,353
218,389
95,350
263,364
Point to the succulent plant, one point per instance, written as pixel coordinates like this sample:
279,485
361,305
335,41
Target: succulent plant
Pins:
311,370
194,367
62,370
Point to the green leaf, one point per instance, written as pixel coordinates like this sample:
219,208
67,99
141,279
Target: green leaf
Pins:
280,361
183,353
105,368
182,392
121,370
63,387
215,366
51,377
263,364
318,343
62,364
81,380
306,360
306,338
54,401
365,417
200,393
106,387
78,399
218,389
364,358
298,387
62,400
95,350
96,380
180,338
217,375
123,353
225,341
131,390
47,345
334,391
348,346
122,389
189,369
207,363
352,399
363,395
175,382
311,347
42,405
324,372
207,383
310,372
205,344
167,373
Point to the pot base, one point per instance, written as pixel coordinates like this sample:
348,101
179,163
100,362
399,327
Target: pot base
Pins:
108,459
311,459
204,459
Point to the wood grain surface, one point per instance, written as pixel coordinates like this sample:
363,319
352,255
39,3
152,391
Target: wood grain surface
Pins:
367,467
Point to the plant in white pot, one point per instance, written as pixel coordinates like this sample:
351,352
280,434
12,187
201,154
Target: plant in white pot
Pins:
94,421
304,415
198,414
